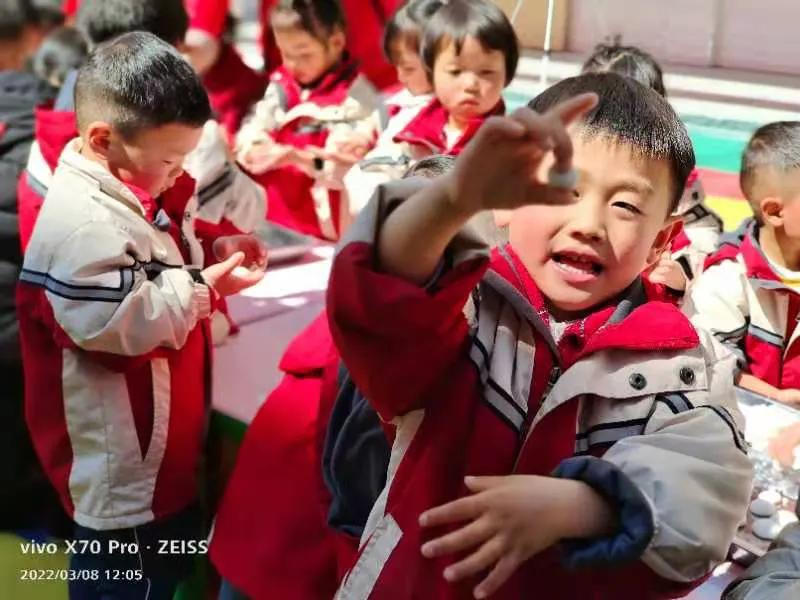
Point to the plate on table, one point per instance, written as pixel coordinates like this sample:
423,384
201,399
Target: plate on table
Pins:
765,418
283,244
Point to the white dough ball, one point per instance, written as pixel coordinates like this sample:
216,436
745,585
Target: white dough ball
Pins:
762,508
766,529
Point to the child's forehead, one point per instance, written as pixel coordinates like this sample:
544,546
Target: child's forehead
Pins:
465,48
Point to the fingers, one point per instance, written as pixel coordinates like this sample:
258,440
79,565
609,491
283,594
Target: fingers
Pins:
498,576
467,537
230,263
481,484
463,509
478,561
574,108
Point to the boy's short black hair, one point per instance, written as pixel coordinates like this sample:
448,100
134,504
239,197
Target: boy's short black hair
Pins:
15,16
62,51
102,20
633,114
318,18
138,81
480,19
431,166
629,61
407,24
776,146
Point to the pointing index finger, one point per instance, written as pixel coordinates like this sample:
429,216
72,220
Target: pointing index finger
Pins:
565,113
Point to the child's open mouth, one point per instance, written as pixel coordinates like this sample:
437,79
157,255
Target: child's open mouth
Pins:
577,268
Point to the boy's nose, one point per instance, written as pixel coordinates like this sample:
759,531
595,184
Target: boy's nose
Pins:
587,222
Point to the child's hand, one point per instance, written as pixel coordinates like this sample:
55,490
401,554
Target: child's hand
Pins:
509,519
350,149
498,168
262,157
784,444
255,252
229,277
669,273
789,396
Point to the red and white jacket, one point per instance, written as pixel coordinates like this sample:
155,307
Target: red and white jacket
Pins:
116,346
467,370
701,228
742,301
388,160
416,133
341,104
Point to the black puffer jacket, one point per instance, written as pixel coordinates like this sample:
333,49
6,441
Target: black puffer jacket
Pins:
20,93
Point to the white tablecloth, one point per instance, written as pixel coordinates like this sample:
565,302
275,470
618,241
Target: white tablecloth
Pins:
270,315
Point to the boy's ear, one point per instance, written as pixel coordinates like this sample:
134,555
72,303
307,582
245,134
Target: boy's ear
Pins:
664,239
772,211
98,137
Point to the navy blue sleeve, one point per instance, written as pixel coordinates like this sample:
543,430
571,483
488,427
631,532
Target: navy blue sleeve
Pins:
635,521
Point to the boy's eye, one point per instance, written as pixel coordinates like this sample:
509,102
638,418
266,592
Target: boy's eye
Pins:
487,72
454,72
629,207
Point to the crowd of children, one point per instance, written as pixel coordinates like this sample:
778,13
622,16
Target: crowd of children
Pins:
525,374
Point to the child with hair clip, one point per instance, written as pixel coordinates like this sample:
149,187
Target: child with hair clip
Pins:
318,117
470,51
701,225
401,45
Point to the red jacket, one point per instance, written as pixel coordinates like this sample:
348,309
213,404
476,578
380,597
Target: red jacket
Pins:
54,128
467,370
426,130
290,115
748,306
271,537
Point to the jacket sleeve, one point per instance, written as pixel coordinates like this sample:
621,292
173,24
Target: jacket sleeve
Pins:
774,576
107,301
717,303
397,338
264,118
225,194
681,488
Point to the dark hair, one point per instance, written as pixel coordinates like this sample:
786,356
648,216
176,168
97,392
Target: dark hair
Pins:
633,114
431,166
102,20
319,18
480,19
137,81
407,24
629,61
62,51
15,16
775,145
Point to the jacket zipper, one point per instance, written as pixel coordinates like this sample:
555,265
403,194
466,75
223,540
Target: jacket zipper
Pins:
525,430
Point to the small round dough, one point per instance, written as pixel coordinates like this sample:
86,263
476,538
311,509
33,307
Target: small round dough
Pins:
772,496
562,179
766,529
240,271
762,508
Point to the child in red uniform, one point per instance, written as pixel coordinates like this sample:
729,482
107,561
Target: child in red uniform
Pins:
317,118
541,398
749,295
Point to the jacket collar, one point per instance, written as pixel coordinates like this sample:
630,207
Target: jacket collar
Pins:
759,269
427,128
159,211
637,320
331,88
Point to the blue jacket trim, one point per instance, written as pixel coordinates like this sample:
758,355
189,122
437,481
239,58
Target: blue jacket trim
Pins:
636,523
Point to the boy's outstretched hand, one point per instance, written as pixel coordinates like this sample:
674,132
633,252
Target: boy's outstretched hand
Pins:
509,519
498,168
